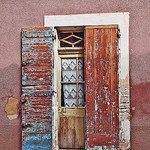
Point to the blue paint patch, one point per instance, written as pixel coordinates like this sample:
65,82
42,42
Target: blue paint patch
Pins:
24,78
23,82
38,142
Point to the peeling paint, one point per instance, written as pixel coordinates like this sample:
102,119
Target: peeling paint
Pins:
37,78
124,114
103,148
37,142
102,121
122,19
11,108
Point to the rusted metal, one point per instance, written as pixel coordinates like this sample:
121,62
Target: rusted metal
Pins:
25,124
37,78
24,63
53,36
101,83
118,34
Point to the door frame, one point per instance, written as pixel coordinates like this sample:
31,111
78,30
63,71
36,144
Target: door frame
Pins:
81,20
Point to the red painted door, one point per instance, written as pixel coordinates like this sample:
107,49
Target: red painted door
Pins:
101,86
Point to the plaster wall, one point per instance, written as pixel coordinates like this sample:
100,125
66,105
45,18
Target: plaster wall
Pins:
15,14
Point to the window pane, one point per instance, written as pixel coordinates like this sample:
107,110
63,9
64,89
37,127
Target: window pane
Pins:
64,35
68,70
81,95
80,34
80,44
72,39
69,95
63,44
80,69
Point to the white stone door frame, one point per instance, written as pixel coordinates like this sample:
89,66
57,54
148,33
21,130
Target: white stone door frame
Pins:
122,20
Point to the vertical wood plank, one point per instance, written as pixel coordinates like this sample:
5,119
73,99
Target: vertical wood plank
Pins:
114,82
37,78
89,80
102,81
79,132
71,132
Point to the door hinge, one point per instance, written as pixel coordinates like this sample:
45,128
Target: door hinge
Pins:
53,36
24,63
25,124
118,34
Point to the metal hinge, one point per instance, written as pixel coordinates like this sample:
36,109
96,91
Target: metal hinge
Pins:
53,37
25,124
118,34
24,63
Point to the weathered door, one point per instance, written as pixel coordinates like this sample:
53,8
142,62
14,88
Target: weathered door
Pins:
71,102
101,82
37,75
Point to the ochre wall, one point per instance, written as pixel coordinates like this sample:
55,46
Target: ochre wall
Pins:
15,14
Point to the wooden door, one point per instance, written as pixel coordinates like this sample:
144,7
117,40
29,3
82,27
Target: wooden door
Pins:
37,79
71,102
101,82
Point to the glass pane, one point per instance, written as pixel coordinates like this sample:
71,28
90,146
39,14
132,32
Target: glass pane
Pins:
80,34
80,44
69,95
63,44
63,35
81,95
72,39
80,69
68,70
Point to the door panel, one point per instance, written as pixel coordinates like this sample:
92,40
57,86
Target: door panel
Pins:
71,102
101,82
37,79
71,132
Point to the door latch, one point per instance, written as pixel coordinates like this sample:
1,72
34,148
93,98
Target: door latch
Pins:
61,110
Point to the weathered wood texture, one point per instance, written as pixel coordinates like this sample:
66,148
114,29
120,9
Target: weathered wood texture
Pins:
101,86
71,132
37,75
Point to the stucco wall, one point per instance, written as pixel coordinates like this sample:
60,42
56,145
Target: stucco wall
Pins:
15,14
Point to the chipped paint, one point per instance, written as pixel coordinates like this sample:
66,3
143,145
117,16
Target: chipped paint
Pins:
37,89
121,19
37,141
101,80
124,114
55,98
11,108
103,148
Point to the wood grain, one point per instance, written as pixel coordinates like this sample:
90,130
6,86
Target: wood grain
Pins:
101,82
71,132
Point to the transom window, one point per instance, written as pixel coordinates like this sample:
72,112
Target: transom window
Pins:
71,39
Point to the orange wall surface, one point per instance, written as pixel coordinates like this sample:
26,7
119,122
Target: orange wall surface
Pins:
15,14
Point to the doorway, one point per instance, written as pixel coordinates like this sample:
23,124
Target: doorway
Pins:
71,104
